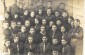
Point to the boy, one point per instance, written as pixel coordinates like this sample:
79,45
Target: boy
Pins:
44,47
22,34
37,25
14,28
7,47
55,33
27,24
6,31
17,47
32,18
66,49
56,45
30,46
55,52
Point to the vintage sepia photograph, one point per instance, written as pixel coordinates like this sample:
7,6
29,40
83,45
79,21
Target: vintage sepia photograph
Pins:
41,27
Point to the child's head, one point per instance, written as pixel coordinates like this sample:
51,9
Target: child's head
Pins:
40,11
13,24
62,6
44,39
72,23
64,41
27,23
55,52
32,30
51,23
7,15
57,13
54,27
49,4
49,11
44,21
36,21
16,15
23,28
63,29
70,19
64,14
30,39
5,25
7,43
55,41
32,14
76,22
58,22
16,39
18,24
42,29
26,12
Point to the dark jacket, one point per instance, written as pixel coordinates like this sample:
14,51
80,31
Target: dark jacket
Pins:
66,50
17,50
47,49
22,37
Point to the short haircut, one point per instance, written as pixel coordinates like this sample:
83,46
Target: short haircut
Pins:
77,20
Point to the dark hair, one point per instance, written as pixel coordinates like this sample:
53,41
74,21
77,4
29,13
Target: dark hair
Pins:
77,20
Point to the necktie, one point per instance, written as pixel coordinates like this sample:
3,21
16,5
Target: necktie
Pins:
63,36
43,47
30,46
18,48
62,49
53,34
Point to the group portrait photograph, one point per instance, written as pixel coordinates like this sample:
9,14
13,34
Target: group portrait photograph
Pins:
41,27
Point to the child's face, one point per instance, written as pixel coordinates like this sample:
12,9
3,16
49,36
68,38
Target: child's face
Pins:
69,20
51,23
15,16
40,12
44,22
7,43
49,4
57,14
76,23
54,28
23,29
26,12
19,24
64,42
54,41
42,29
48,11
55,52
44,39
36,21
62,29
62,6
6,15
64,14
58,22
27,23
5,25
30,39
32,31
13,25
72,24
32,14
16,40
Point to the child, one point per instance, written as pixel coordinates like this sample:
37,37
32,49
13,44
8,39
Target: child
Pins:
66,49
7,48
44,46
30,46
